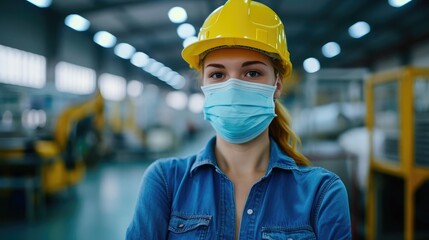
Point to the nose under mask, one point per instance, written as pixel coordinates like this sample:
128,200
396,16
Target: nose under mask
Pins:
238,110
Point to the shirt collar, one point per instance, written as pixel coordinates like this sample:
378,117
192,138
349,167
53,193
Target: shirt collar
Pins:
278,159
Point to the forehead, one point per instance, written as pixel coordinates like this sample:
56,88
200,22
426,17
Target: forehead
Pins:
226,55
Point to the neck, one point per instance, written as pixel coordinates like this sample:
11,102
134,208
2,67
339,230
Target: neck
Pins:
244,159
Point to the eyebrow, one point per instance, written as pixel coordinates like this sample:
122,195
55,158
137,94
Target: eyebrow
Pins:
216,65
245,64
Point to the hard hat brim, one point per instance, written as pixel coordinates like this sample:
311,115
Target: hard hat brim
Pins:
192,53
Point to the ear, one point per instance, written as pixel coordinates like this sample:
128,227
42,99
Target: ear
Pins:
279,88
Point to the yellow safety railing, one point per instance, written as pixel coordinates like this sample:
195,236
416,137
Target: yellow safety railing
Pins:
404,164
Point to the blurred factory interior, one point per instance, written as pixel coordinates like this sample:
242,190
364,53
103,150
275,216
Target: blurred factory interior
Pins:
92,91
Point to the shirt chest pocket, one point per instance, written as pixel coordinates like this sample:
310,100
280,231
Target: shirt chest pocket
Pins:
276,233
189,227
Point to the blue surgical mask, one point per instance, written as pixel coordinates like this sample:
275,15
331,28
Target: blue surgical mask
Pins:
238,110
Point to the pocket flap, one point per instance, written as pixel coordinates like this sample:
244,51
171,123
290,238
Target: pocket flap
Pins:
301,233
179,224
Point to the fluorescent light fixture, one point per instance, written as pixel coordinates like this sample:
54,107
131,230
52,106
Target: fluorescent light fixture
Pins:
77,22
189,40
185,30
22,68
41,3
162,72
177,100
359,29
105,39
178,82
112,87
398,3
311,65
169,76
124,50
134,88
331,49
177,15
149,64
196,103
154,68
140,59
173,78
74,79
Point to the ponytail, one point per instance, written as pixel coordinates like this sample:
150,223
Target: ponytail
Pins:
281,130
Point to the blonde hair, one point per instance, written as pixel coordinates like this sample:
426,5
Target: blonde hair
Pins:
281,126
281,130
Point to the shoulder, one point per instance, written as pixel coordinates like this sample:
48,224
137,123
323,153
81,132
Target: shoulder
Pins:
171,167
319,180
314,173
328,187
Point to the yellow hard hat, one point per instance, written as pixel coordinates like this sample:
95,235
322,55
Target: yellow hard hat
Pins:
241,23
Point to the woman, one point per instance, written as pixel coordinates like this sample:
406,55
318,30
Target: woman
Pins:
249,182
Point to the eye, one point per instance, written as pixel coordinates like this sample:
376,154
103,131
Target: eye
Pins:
216,75
253,74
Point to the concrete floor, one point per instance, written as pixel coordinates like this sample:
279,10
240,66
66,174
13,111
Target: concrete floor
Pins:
99,207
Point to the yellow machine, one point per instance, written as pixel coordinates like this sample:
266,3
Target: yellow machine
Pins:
67,144
47,166
398,113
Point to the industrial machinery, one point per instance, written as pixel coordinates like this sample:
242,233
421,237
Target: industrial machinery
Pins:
398,190
49,165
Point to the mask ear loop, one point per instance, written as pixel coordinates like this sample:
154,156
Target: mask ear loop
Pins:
275,85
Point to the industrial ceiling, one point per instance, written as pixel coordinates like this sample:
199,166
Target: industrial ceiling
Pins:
309,25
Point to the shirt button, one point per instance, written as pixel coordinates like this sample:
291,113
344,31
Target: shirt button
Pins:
181,225
249,211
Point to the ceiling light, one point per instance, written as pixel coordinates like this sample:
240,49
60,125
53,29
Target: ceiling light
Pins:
154,68
12,63
147,67
359,29
140,59
177,100
196,103
74,79
124,50
189,40
41,3
77,22
105,39
173,79
311,65
177,15
134,88
398,3
162,72
169,76
112,87
331,49
185,30
178,82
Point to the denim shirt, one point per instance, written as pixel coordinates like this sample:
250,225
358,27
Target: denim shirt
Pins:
191,198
